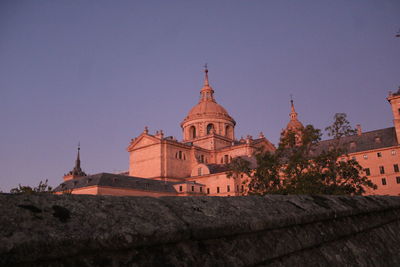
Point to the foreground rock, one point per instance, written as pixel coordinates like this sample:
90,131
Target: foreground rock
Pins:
68,230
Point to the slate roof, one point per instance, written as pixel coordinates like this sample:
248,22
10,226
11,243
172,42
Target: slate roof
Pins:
119,181
377,139
217,168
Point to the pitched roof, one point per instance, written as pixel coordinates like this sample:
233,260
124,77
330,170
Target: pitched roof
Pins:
366,141
118,181
217,168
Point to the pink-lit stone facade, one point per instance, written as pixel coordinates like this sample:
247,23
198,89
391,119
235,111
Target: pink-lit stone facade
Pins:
194,164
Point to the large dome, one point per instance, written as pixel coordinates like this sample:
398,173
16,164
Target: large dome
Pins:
207,109
207,117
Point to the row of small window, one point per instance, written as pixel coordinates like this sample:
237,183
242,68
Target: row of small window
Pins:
203,159
226,159
180,155
384,182
228,189
379,154
382,169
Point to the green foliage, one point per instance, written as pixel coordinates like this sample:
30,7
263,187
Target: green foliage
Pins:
43,187
340,127
297,168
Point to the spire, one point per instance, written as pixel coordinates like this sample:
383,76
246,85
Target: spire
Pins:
78,160
206,93
77,171
206,83
293,113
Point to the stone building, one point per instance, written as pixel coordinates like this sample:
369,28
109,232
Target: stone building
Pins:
161,165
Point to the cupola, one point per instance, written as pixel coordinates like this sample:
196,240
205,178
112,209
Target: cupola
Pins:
207,117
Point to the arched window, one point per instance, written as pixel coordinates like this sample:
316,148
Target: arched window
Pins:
226,159
180,154
192,132
210,128
228,131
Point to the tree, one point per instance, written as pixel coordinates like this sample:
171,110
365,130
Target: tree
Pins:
303,168
43,187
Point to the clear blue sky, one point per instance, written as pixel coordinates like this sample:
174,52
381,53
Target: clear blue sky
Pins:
99,71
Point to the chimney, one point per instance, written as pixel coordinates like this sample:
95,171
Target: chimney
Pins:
359,131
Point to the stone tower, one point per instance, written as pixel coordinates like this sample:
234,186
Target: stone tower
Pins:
394,100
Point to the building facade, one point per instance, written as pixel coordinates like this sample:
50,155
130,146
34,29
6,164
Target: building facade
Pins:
160,165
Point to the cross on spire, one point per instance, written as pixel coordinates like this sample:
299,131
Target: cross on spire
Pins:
206,83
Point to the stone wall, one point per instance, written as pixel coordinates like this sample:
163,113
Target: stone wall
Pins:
68,230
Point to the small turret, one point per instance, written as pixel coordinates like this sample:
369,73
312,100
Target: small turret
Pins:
76,171
206,93
294,124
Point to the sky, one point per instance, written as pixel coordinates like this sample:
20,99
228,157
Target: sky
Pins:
97,72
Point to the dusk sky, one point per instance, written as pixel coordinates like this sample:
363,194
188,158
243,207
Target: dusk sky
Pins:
97,72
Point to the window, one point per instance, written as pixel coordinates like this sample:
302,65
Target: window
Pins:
398,110
180,188
228,131
242,188
180,155
201,189
199,171
210,128
381,169
208,190
396,167
217,189
383,181
192,188
237,188
398,179
202,158
241,176
192,132
226,159
379,154
393,152
228,188
365,156
367,172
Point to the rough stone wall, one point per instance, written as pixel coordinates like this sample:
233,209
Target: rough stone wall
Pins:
79,230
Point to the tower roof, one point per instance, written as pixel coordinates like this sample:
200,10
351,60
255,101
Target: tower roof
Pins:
294,123
207,106
77,171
